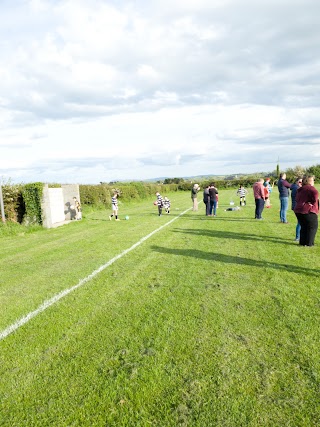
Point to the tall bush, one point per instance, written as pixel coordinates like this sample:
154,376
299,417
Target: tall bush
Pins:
32,195
13,203
314,170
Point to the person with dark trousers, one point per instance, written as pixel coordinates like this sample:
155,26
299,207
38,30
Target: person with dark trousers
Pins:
242,192
307,210
206,199
283,187
159,203
258,193
294,188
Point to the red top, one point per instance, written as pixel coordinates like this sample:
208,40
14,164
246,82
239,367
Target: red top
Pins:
307,200
258,190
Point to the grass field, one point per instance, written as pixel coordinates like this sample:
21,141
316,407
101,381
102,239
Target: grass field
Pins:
207,322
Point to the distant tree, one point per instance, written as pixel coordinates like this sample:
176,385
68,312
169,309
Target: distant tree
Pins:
278,170
314,170
178,180
293,173
173,181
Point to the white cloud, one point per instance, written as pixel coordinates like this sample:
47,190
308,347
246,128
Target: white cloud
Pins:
178,88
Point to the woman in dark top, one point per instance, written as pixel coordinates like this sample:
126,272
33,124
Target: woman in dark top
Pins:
213,199
206,199
307,210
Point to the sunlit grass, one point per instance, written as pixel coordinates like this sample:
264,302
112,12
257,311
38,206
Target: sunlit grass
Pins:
210,322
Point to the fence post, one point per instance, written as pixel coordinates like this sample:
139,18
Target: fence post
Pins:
2,206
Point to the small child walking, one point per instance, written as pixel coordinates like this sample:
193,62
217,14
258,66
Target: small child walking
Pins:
114,203
242,192
159,203
166,205
77,208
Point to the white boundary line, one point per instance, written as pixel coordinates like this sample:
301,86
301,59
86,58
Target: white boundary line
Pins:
48,303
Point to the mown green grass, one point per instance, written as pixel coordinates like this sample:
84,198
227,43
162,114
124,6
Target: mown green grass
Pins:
210,322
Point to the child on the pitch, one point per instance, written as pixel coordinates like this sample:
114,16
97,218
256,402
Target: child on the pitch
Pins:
77,208
114,203
159,203
242,192
166,205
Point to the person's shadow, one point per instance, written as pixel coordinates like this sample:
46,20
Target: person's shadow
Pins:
231,235
70,211
230,259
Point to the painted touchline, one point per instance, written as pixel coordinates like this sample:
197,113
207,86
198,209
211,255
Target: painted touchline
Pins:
48,303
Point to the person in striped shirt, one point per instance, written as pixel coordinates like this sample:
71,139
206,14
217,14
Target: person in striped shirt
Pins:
114,203
242,192
159,203
166,205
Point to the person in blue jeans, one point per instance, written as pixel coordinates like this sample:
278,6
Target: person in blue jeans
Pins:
283,187
213,199
294,187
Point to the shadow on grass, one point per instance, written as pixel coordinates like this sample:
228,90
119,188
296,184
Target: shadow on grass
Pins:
229,259
135,216
217,218
97,219
231,235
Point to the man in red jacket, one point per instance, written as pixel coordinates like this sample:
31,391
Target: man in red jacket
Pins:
259,196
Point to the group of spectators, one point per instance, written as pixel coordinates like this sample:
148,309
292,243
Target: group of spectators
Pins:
304,197
210,198
305,204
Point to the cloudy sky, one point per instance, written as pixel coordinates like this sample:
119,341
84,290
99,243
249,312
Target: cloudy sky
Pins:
104,90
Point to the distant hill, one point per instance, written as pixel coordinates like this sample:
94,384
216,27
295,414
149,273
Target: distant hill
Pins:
214,177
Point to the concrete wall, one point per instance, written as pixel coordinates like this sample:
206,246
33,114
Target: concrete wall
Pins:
69,192
57,204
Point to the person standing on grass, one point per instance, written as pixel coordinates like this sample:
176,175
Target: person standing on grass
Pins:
213,192
159,203
307,210
259,196
242,192
194,196
77,208
268,190
166,205
283,187
114,204
206,199
294,188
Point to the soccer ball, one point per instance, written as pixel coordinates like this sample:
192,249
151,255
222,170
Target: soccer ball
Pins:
127,217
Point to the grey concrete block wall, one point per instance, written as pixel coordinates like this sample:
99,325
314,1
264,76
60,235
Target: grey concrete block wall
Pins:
69,192
45,208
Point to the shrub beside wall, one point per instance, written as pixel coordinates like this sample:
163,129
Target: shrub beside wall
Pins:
32,195
13,202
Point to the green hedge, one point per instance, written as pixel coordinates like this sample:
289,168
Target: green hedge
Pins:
32,195
13,202
100,195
